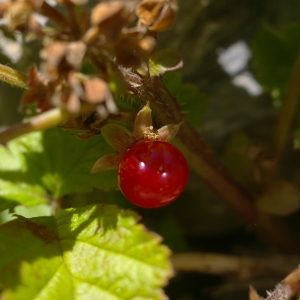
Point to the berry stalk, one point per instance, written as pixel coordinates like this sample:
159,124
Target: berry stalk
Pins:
207,166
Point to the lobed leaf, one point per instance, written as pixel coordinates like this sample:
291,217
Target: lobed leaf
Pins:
96,252
50,164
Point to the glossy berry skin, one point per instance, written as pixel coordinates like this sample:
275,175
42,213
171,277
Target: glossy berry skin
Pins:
152,173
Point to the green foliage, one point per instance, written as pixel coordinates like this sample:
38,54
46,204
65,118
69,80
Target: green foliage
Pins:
39,167
95,252
274,54
193,103
164,61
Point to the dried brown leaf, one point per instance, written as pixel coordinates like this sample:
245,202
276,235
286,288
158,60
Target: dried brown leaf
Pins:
157,14
96,90
110,18
17,14
75,53
104,11
53,55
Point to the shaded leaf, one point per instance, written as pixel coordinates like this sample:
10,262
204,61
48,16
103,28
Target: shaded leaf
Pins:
163,61
96,252
280,198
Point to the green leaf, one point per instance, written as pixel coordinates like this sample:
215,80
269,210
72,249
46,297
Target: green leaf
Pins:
163,61
193,103
96,252
16,183
274,55
40,166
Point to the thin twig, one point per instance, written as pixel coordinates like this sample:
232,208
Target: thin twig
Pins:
242,267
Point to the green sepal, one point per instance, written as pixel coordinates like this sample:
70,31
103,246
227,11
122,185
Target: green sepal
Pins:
117,137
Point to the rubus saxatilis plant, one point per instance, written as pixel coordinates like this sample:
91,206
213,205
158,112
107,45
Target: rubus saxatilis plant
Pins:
151,171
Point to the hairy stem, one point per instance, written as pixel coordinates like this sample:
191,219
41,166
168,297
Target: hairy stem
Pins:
13,77
201,158
206,165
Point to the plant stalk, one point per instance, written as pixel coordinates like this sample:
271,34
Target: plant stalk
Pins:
287,112
207,166
43,121
201,158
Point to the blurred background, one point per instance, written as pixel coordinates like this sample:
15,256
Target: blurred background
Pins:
217,40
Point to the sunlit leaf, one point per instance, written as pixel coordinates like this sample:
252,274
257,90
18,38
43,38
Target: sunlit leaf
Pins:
41,166
96,252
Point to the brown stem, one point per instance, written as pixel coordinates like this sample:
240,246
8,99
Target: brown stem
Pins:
200,157
242,267
287,113
206,165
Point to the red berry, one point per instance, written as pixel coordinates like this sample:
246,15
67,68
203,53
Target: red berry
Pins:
152,173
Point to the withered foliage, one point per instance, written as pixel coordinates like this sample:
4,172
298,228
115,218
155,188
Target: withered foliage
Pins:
116,37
